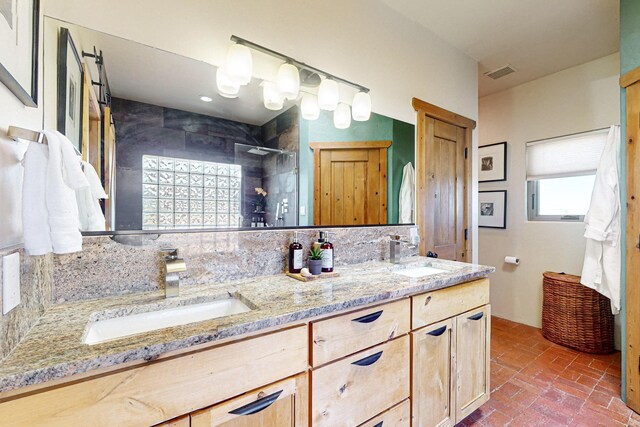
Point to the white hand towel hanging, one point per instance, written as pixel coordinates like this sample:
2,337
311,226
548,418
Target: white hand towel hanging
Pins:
89,210
50,212
601,269
407,195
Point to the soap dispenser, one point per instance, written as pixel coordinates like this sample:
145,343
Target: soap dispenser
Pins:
327,252
295,255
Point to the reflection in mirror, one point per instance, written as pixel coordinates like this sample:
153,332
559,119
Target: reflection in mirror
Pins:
173,154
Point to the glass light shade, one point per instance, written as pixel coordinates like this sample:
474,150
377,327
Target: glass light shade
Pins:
342,116
239,63
328,95
288,81
273,99
227,86
309,107
361,107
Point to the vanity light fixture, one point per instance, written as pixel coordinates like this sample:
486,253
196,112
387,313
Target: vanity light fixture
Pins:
342,116
273,99
239,63
361,107
205,98
227,86
309,107
288,80
328,95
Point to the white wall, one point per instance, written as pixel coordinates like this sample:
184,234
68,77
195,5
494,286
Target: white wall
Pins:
574,100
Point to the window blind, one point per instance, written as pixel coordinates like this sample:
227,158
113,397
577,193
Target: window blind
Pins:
573,155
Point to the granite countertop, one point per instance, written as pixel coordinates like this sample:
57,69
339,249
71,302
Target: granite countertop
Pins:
53,348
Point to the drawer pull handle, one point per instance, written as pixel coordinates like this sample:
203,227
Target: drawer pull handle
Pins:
258,405
369,318
438,332
369,360
476,316
379,424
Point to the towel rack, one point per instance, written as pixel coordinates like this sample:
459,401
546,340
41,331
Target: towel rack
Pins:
17,133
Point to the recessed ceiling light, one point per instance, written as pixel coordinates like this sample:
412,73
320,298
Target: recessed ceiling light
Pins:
206,99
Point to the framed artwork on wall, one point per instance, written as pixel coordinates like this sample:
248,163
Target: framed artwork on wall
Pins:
492,162
70,80
19,22
492,209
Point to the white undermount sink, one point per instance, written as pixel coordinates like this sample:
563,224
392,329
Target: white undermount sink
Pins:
417,272
118,327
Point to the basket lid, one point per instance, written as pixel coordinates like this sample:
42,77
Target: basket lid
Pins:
561,277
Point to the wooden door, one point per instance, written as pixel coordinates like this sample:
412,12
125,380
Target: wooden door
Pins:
473,334
443,181
350,182
433,389
283,404
631,81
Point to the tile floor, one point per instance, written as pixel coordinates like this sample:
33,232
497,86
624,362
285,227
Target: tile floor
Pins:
535,382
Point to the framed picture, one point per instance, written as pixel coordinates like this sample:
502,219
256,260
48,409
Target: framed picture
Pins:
492,209
492,162
19,22
70,79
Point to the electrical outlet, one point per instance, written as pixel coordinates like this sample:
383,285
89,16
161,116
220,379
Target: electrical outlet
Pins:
10,282
303,210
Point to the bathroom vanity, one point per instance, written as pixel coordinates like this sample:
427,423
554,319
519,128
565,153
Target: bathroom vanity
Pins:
404,344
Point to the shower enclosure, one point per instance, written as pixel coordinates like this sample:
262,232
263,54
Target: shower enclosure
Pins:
270,186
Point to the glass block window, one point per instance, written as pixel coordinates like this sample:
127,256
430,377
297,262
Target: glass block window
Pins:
180,193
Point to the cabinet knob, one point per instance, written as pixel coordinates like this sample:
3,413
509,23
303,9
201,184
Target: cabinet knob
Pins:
258,405
438,332
369,318
369,360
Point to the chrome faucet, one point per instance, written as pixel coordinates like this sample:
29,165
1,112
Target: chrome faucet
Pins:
395,247
172,267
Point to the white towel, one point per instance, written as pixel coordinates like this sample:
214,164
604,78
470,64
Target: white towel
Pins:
601,269
407,195
89,210
50,212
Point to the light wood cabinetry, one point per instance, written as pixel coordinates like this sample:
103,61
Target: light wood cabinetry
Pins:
398,416
178,422
352,390
450,355
283,404
346,334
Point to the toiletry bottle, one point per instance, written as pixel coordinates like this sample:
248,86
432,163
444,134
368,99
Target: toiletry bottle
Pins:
327,253
295,255
253,222
318,242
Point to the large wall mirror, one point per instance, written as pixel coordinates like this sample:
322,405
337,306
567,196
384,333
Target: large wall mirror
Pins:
173,154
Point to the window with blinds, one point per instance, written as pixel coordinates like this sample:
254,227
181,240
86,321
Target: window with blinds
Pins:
560,175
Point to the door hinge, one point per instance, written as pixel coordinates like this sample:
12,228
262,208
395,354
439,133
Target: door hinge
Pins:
466,152
466,232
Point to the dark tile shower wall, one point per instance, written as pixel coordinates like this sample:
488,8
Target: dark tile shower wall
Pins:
148,129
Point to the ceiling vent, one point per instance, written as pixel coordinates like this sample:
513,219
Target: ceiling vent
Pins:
500,72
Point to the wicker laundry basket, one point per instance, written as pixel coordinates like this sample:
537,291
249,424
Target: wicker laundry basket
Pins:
576,316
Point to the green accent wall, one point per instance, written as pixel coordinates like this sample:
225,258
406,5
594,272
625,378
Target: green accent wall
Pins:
377,128
629,60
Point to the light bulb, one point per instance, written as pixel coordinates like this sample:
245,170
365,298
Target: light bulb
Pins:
342,116
309,107
239,63
205,98
227,86
288,81
361,107
273,99
328,95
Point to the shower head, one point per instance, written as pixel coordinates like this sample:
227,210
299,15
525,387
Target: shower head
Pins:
258,151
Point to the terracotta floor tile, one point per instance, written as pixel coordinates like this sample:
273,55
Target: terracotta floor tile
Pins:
535,382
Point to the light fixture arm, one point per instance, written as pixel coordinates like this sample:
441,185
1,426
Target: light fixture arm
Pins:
300,65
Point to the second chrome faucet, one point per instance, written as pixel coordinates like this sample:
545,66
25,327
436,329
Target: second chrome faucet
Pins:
173,266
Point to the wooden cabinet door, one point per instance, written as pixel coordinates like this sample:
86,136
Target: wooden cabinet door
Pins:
283,404
177,422
350,183
433,391
473,334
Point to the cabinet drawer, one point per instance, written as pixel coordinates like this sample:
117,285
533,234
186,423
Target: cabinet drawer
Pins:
279,405
438,305
158,391
398,416
349,333
355,389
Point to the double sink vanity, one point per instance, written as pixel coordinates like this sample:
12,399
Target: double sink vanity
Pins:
381,345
